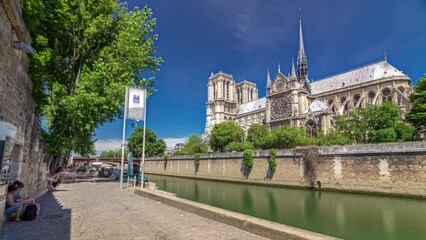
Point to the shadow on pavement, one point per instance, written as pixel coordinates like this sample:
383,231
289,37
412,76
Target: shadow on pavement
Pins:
54,222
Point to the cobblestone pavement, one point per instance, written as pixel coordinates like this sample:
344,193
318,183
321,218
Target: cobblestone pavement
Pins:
102,211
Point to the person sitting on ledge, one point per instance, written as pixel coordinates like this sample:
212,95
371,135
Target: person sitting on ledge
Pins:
12,208
55,179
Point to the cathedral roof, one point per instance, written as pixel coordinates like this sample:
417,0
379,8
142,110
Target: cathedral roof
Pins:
365,74
252,106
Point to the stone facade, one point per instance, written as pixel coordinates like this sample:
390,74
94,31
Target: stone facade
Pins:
295,100
17,106
398,169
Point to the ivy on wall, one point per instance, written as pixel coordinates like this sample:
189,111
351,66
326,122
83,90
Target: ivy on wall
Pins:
248,158
197,161
272,160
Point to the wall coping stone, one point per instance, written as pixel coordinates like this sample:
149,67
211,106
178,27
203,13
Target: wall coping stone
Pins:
383,148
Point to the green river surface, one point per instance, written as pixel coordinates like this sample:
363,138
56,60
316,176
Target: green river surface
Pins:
343,215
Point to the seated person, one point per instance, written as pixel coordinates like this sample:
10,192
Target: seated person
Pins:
18,198
55,179
12,208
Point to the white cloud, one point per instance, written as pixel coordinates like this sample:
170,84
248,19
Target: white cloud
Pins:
248,24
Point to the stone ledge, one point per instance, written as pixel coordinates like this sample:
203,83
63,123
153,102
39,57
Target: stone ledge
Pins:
247,223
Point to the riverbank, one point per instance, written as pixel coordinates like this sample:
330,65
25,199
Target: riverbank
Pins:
395,169
343,215
88,210
247,223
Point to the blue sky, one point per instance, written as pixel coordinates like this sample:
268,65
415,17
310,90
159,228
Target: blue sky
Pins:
246,37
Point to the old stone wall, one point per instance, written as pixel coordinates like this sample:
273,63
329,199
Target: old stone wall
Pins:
16,103
398,169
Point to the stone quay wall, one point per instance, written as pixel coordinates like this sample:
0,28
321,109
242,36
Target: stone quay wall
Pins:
16,103
390,169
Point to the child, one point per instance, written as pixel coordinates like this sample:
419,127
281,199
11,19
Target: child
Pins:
18,198
13,209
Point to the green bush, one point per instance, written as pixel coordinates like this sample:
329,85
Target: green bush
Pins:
404,132
238,147
272,160
383,135
248,158
333,137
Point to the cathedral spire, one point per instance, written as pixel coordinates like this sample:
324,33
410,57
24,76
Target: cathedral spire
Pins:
279,68
293,70
302,61
268,83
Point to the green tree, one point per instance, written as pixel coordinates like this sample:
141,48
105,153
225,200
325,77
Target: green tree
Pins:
153,146
334,137
375,124
113,153
87,53
194,144
287,137
224,133
417,115
258,135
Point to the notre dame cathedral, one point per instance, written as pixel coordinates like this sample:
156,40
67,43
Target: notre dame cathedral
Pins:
294,100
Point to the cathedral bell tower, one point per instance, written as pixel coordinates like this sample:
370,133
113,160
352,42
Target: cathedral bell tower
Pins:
221,103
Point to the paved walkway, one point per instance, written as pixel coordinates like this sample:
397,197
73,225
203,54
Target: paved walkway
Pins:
102,211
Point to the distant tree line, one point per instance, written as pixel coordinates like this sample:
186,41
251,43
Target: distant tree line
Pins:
373,124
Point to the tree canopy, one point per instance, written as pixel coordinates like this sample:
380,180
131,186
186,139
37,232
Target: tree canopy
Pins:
258,135
87,53
417,115
153,146
224,133
194,144
113,153
375,124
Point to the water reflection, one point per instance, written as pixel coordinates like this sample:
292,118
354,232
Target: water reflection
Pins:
344,215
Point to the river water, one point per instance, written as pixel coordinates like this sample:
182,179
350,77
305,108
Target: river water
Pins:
344,215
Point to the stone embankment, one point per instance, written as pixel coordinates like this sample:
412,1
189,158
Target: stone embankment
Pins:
247,223
392,169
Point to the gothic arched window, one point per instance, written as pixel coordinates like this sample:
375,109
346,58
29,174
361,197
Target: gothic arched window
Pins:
386,93
356,99
227,90
223,89
371,96
399,100
311,128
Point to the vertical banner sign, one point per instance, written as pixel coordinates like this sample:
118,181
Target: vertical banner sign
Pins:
136,104
135,108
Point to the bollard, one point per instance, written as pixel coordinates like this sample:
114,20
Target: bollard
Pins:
134,183
128,181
